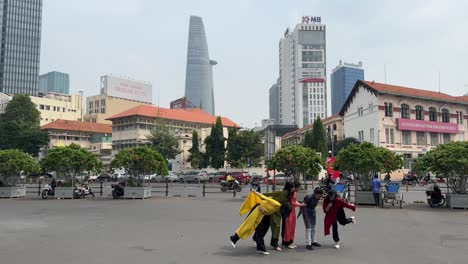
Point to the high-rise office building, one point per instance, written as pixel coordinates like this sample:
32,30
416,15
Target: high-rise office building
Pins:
20,22
303,78
55,82
274,103
199,75
343,78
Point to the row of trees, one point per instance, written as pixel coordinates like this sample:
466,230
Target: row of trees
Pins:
242,147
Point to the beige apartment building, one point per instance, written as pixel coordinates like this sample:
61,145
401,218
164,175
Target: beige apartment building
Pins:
132,127
93,136
55,106
100,107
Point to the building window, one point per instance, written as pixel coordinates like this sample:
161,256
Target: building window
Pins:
445,116
371,107
371,134
47,107
41,107
419,113
406,137
334,126
90,105
421,138
361,135
432,114
407,158
360,111
388,109
389,137
446,138
434,139
405,111
96,104
459,117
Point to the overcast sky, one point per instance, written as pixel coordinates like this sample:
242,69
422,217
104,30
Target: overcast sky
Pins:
147,40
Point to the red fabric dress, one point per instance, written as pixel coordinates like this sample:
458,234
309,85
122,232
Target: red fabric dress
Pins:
290,222
331,215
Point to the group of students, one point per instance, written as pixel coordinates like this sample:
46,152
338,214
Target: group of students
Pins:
277,210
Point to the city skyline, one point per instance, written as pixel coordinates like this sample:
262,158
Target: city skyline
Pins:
149,42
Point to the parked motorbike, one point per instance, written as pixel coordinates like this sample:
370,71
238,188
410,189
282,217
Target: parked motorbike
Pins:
234,185
47,191
434,200
85,190
409,180
118,190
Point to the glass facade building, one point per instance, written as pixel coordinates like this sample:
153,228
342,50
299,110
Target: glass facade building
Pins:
20,22
274,103
199,74
343,78
56,82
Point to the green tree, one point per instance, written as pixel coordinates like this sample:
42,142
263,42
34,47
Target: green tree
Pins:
244,145
163,140
196,158
71,160
13,162
22,110
19,126
139,161
317,139
365,160
344,143
450,161
215,149
296,160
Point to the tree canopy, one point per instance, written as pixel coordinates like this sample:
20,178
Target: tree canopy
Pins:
13,162
140,161
365,160
22,110
344,143
196,159
317,139
71,160
296,160
448,160
243,145
19,126
215,149
163,140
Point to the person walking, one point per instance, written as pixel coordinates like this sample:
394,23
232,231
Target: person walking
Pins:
309,216
376,184
334,214
289,223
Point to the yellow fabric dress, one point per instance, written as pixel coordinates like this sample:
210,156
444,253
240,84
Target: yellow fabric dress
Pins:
268,205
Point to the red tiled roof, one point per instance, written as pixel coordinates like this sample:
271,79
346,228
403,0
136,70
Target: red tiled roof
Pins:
401,90
194,115
463,98
69,125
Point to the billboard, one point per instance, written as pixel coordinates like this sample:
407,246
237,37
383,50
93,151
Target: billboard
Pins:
428,126
126,88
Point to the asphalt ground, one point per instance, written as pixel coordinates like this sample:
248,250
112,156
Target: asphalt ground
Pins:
196,230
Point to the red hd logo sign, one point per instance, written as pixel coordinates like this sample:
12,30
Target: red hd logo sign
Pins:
427,126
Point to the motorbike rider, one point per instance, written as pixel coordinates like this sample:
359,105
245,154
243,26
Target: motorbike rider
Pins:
53,184
436,195
229,179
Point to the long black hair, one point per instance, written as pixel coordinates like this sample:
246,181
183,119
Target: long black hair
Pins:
330,194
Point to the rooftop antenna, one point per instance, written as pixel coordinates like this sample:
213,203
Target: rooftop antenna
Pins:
385,72
439,81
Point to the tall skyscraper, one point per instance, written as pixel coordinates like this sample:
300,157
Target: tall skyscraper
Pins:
343,78
20,22
56,82
303,76
274,103
199,75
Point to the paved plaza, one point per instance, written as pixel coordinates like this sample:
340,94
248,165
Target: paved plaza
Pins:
196,230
